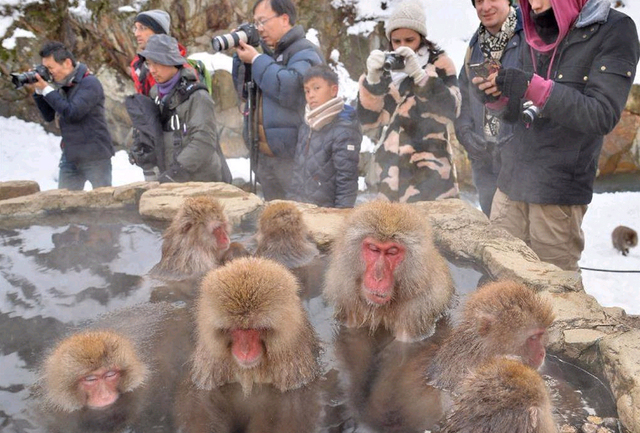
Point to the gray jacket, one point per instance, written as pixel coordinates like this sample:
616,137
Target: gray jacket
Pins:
191,137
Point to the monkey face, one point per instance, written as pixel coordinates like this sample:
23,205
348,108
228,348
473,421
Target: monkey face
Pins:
381,260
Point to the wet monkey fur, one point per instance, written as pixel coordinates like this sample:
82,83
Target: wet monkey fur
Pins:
386,272
195,241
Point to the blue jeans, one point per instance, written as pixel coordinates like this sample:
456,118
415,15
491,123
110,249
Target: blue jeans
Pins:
73,175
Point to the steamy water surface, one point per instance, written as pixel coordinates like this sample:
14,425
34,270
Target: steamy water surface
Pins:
64,270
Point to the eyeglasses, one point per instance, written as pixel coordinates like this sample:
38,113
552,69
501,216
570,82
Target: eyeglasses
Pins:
139,28
259,24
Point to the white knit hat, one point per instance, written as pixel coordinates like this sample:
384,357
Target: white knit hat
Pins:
408,15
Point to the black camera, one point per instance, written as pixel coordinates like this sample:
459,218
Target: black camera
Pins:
393,62
245,32
29,77
529,112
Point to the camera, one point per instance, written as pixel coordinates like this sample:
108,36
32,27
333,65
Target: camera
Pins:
29,77
393,62
245,32
529,112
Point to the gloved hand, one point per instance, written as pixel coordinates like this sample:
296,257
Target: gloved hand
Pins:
411,64
374,66
175,173
474,144
512,82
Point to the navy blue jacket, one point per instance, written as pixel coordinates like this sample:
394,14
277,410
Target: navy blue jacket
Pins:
326,162
554,160
279,80
80,107
472,108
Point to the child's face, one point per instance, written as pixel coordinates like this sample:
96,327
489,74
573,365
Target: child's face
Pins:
317,91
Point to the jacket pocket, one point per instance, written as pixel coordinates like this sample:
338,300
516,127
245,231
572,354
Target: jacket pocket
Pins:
574,76
615,66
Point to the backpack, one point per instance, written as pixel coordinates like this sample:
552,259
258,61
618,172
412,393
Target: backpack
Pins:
203,74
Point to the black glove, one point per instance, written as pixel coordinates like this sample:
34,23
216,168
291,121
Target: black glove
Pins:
513,84
175,173
474,144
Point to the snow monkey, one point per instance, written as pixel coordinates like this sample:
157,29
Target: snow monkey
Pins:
624,238
386,272
500,318
195,240
501,396
255,366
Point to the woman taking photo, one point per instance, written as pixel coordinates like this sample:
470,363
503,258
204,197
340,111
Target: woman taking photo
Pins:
412,92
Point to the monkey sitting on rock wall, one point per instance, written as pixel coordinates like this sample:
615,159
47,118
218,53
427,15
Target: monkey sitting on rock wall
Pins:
624,238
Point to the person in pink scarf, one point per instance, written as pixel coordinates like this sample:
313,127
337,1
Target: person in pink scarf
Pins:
577,71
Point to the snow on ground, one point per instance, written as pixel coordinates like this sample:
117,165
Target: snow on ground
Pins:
27,152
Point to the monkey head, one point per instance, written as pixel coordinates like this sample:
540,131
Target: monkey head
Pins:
502,396
385,270
252,328
195,241
509,319
91,369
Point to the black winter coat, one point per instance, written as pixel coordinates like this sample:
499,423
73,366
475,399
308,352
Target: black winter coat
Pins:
80,106
326,162
554,160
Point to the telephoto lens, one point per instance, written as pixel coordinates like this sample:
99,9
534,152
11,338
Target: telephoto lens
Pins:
246,33
29,77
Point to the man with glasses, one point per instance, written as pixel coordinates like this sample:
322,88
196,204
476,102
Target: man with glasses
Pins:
147,24
277,73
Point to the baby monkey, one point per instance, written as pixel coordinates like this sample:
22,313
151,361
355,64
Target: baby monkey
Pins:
624,238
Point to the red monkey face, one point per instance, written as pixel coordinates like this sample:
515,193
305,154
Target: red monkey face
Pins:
381,259
100,387
534,347
221,236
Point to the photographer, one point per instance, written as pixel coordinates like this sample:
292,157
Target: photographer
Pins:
280,97
479,129
76,100
415,101
578,68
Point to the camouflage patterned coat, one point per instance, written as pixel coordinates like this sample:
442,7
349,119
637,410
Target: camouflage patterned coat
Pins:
413,160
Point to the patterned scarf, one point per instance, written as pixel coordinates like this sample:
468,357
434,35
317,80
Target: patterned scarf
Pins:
324,114
492,46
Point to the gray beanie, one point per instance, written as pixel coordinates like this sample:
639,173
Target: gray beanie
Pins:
163,49
408,15
157,20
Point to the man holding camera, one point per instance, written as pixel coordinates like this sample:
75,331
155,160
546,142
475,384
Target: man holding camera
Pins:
479,129
77,102
280,97
578,68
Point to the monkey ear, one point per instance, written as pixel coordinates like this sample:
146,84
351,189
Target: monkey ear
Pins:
185,227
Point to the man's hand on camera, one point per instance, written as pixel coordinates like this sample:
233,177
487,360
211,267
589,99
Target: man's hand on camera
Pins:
246,52
40,84
374,66
411,65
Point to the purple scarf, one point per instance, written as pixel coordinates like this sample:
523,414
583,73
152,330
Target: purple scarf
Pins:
167,86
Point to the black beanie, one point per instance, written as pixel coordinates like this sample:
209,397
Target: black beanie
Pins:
157,20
